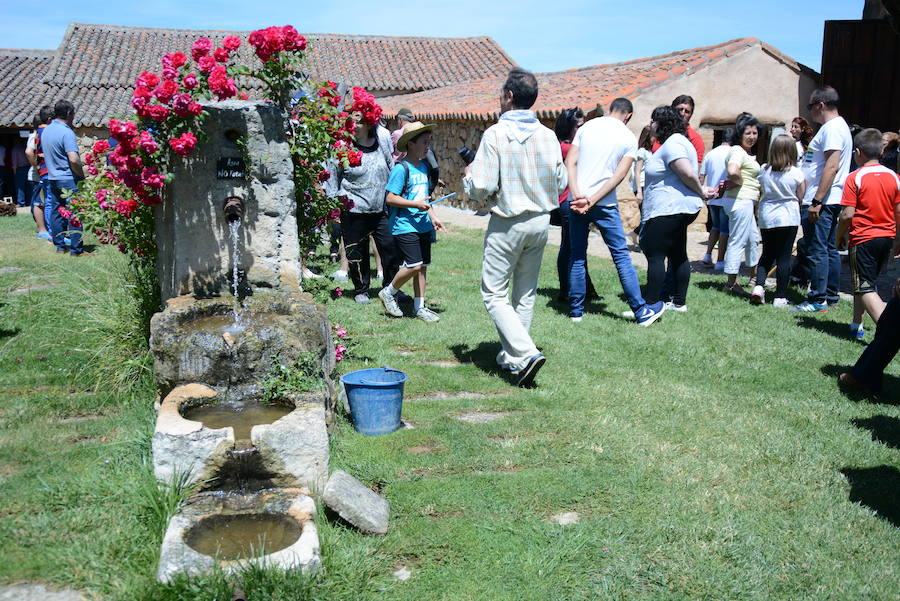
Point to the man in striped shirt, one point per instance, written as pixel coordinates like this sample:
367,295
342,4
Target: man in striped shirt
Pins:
519,171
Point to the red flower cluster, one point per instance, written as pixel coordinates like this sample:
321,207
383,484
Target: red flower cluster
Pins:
364,104
329,92
270,41
184,144
220,84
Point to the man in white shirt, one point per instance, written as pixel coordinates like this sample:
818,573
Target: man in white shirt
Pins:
825,167
519,171
600,157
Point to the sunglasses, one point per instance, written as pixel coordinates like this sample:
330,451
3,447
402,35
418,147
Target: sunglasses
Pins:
811,105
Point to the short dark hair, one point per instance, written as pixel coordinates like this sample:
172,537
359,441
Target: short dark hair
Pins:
524,88
621,105
743,121
728,134
45,114
668,122
63,109
565,123
828,95
683,99
869,142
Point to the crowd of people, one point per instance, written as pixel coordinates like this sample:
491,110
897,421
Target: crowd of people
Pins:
832,186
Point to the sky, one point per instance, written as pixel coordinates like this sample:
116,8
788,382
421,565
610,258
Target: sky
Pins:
539,36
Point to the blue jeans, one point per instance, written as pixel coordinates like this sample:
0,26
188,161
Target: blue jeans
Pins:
610,223
822,254
22,189
59,226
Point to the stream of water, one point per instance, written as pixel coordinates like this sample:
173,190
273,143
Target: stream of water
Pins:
234,228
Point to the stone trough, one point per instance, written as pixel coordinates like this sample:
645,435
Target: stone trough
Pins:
270,527
291,451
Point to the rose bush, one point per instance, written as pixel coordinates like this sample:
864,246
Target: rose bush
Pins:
127,174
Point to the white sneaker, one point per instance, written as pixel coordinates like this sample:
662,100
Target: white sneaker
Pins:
670,306
308,274
426,314
340,275
758,296
781,302
576,319
390,303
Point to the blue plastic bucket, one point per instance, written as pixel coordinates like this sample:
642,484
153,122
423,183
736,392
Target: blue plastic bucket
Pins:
376,399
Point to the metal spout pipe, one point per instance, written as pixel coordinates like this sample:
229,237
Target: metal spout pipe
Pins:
233,208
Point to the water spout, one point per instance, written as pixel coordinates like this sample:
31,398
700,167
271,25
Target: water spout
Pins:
234,227
233,208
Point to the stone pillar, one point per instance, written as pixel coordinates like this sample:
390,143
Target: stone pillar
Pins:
242,153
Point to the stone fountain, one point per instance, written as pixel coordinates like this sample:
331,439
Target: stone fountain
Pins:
229,265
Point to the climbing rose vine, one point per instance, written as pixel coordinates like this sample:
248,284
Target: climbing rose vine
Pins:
128,173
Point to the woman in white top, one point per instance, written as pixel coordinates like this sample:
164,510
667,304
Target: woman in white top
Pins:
645,143
783,186
673,196
802,134
739,202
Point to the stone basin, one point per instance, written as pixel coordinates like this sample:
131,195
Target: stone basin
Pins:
227,528
290,451
195,340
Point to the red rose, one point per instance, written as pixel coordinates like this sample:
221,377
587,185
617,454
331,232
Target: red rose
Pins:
190,81
201,48
158,112
169,72
134,163
165,91
100,146
184,144
206,64
146,142
151,178
174,59
194,109
231,43
220,84
122,130
323,176
221,55
147,79
92,170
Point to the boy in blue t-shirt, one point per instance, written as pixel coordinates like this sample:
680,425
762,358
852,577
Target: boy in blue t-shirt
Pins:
408,195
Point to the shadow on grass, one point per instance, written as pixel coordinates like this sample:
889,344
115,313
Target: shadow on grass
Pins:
484,357
878,488
814,321
561,305
884,428
5,333
890,387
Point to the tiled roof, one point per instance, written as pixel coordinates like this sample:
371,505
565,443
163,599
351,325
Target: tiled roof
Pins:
584,87
21,90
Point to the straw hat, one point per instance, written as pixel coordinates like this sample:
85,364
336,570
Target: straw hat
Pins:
411,131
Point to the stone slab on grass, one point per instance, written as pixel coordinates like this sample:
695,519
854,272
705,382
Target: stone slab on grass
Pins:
357,504
480,417
37,592
9,269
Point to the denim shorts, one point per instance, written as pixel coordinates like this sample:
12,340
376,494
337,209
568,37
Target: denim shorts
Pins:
719,219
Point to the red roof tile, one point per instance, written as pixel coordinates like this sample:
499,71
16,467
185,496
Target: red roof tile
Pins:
21,92
576,87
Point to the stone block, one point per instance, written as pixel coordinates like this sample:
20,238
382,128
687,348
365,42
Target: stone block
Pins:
357,504
195,253
298,443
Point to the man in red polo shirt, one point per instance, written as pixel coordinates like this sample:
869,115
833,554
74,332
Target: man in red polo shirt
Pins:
684,104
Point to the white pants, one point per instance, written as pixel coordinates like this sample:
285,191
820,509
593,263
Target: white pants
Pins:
513,249
743,235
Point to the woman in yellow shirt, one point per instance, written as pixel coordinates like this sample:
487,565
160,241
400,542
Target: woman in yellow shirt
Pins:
739,202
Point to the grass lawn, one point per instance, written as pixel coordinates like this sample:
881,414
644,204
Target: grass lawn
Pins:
710,456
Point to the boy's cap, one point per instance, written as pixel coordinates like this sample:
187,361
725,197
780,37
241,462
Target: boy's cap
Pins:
406,115
411,131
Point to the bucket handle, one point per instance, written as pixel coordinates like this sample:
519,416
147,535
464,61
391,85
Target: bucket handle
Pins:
385,368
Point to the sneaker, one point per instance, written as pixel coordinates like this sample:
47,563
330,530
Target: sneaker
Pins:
670,306
426,314
362,299
43,236
833,304
719,266
527,373
647,314
758,296
576,318
390,303
781,302
858,333
308,274
808,307
707,259
340,276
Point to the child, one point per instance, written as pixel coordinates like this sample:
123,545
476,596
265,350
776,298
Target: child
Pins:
408,195
870,214
783,186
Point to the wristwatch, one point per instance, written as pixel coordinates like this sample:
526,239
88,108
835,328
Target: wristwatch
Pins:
816,203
